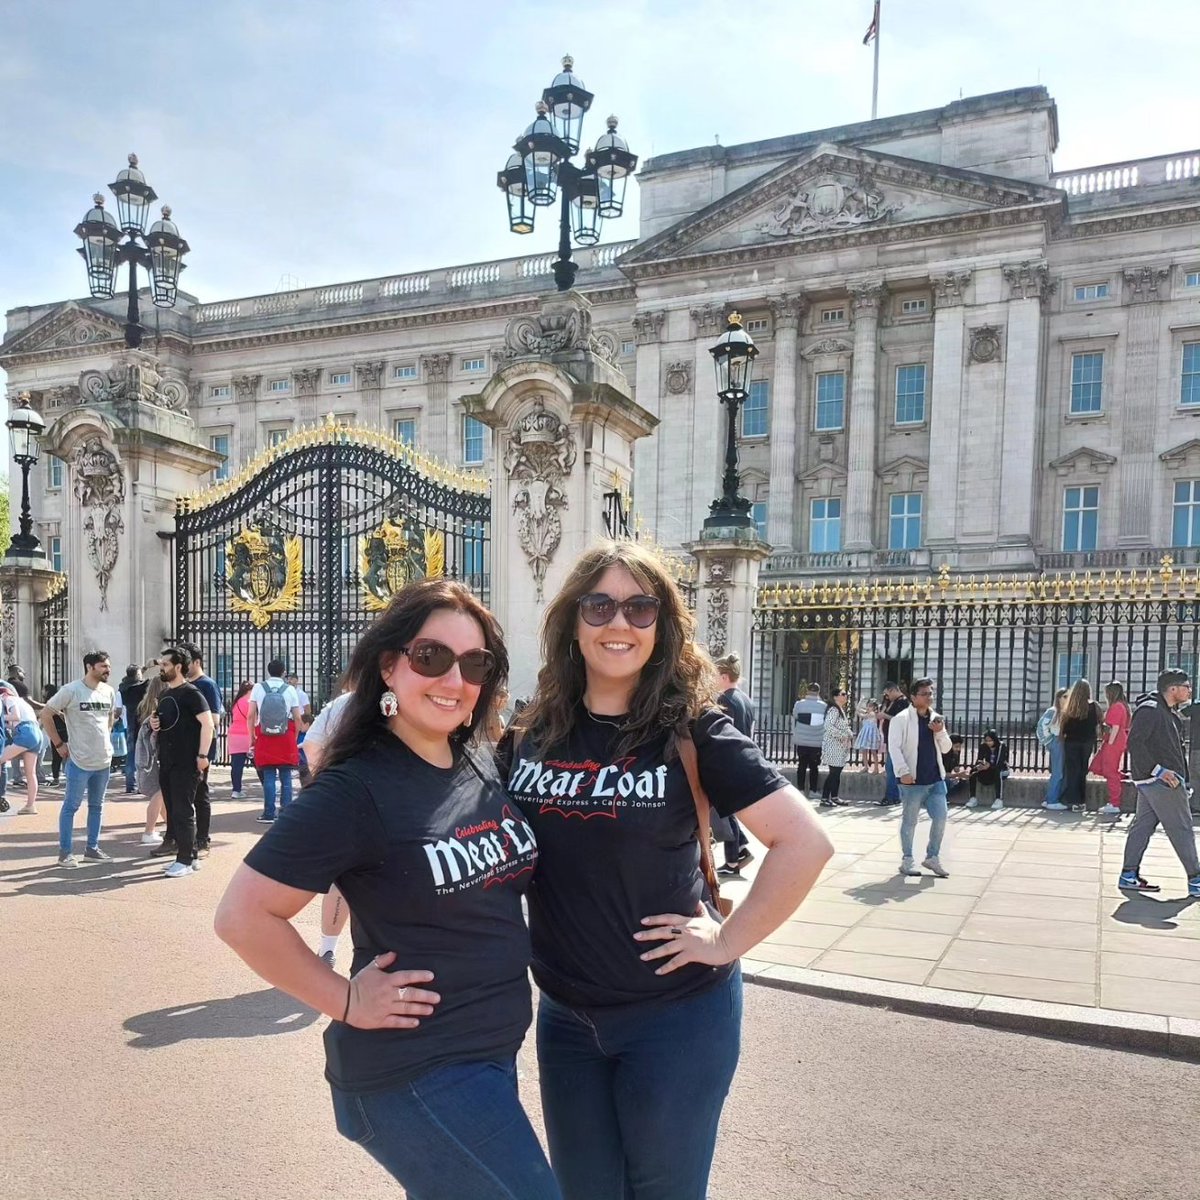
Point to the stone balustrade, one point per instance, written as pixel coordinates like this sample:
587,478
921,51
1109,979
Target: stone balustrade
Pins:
1142,172
481,280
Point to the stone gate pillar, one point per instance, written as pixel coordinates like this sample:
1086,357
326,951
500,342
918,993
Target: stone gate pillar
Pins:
25,585
564,425
727,588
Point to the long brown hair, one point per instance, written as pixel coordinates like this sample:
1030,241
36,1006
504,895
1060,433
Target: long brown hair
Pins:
149,702
1079,701
679,682
361,724
1114,692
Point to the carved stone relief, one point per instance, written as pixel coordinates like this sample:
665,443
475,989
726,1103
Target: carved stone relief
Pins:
787,311
827,205
607,345
246,386
306,380
549,332
647,326
679,378
100,490
1029,281
541,453
826,346
136,378
866,298
950,289
370,374
435,366
8,624
985,344
718,620
1141,283
709,320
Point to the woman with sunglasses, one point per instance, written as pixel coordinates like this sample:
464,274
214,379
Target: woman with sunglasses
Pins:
640,1016
415,830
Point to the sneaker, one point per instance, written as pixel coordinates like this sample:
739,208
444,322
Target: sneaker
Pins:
997,804
176,869
825,802
743,859
1056,807
152,839
4,805
1194,887
1109,810
265,820
886,802
907,867
202,849
729,871
69,861
327,958
164,848
237,795
934,864
195,864
1131,881
95,854
971,803
27,812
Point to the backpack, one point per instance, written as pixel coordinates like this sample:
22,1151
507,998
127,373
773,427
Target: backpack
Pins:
273,714
1045,735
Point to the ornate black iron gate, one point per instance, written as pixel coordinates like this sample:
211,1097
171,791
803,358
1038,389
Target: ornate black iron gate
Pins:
53,630
296,556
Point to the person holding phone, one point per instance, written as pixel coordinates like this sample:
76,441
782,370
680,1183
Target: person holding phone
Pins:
1160,773
917,739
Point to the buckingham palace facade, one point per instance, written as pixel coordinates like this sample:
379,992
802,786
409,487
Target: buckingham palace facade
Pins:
966,358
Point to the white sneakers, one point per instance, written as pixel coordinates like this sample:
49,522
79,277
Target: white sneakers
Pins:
151,839
176,869
908,867
997,804
1056,807
972,803
1109,810
237,795
934,864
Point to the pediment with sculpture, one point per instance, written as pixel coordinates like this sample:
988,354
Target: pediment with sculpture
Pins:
68,327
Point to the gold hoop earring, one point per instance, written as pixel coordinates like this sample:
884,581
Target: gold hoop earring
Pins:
576,658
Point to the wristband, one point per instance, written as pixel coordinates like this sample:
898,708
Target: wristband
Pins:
349,992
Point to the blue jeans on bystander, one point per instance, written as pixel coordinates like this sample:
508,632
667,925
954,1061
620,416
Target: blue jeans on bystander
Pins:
456,1132
891,790
632,1095
82,783
933,797
1055,786
274,778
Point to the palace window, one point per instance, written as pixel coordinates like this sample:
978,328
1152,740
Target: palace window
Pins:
754,411
340,378
474,364
831,316
1087,382
910,308
628,348
758,513
276,436
472,434
473,539
1189,386
904,521
1081,518
220,391
825,525
56,554
54,471
280,385
1071,665
910,394
219,444
756,325
404,429
405,371
831,400
1185,528
1091,291
1191,279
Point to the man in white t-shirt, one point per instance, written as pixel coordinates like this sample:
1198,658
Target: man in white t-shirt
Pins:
86,706
275,768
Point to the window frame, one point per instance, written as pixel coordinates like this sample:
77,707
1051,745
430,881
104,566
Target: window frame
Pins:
911,421
220,391
54,552
412,367
1191,279
920,306
225,469
1065,658
1098,411
906,518
818,376
1080,511
341,378
276,435
1094,288
467,461
55,475
1192,507
834,315
825,522
760,516
274,388
757,325
758,387
465,365
396,433
1187,377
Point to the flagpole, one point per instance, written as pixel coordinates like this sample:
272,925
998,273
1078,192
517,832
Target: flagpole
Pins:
875,80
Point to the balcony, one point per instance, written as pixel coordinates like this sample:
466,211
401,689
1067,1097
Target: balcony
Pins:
780,566
1142,172
1119,560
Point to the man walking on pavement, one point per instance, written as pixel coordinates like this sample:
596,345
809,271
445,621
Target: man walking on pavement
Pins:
1159,764
207,687
184,724
894,703
741,712
86,707
917,739
808,732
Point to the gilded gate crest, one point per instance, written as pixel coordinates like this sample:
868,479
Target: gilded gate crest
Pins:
264,574
395,554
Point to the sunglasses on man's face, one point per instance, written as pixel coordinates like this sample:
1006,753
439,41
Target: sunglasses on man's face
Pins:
597,608
434,659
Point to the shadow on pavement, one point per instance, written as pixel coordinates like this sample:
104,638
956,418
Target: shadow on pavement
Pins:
1151,913
53,880
886,890
251,1014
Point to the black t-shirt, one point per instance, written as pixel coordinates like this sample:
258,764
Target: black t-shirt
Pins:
20,688
178,729
1082,729
433,863
617,842
893,709
739,708
132,694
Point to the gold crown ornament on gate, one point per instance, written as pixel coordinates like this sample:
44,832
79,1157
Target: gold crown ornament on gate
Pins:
265,574
395,554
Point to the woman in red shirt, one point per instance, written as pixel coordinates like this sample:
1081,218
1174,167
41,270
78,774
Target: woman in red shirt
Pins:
1111,755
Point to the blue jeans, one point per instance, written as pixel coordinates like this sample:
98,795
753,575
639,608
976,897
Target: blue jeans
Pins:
912,797
632,1095
892,787
269,776
131,761
1055,786
456,1132
79,784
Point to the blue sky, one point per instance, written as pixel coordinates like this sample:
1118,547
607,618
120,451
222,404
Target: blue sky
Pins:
314,141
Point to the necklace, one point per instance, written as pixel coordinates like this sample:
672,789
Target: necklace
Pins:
604,720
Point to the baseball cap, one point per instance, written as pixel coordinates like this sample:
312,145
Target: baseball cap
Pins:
1173,677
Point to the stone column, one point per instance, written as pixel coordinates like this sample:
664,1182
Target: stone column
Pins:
1141,397
1030,287
648,330
708,417
860,475
245,442
945,402
727,590
434,370
370,383
306,384
25,583
787,312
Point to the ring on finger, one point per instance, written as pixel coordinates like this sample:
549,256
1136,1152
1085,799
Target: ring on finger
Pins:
676,930
400,993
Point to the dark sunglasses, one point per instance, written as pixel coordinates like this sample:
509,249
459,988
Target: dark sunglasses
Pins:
433,660
597,608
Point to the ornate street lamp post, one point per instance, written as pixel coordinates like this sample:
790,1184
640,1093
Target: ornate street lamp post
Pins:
107,244
25,428
733,356
540,171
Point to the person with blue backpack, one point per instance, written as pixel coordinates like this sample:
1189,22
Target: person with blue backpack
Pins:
274,721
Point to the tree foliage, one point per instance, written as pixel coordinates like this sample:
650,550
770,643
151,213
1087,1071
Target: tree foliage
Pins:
5,517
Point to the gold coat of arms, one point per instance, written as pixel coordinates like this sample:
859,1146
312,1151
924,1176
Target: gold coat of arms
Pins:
395,554
264,574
